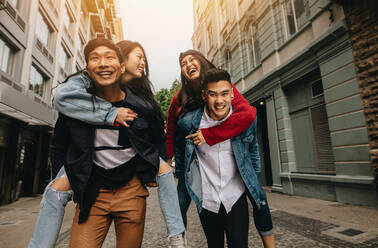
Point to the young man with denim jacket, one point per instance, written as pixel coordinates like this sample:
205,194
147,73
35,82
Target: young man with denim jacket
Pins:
218,178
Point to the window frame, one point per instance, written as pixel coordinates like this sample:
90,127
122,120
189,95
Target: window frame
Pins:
42,23
10,59
43,85
306,12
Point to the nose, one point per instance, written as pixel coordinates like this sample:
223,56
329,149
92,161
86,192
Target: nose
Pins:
218,99
103,62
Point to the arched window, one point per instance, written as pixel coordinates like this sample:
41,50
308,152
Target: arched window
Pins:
228,57
254,52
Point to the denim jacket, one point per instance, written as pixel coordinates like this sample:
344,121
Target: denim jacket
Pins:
246,153
73,95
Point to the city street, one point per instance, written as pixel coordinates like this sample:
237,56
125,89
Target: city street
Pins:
299,222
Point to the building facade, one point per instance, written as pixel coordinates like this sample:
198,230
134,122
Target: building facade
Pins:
293,60
41,43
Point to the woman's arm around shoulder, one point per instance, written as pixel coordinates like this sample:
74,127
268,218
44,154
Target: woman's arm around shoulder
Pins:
73,100
241,118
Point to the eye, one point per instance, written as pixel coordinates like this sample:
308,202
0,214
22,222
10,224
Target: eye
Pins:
93,58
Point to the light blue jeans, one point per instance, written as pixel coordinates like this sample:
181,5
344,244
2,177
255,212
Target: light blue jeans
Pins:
169,203
50,217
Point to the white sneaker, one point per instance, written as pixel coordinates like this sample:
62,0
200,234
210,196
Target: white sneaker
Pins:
177,241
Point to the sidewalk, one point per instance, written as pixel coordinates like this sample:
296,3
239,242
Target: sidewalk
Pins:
17,221
299,222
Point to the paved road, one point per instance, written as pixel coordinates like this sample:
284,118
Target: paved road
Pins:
291,230
299,222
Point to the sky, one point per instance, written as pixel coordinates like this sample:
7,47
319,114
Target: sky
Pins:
164,28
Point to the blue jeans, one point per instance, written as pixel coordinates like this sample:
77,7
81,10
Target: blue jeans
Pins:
50,218
262,217
169,203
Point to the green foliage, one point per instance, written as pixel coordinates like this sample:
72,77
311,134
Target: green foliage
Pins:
164,96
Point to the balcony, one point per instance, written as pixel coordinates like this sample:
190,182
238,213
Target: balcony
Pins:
52,7
44,50
109,14
14,14
92,6
101,4
97,20
108,33
68,36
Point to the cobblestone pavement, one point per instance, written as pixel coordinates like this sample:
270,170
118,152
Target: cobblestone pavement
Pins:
291,231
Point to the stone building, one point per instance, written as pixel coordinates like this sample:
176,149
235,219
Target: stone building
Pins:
294,61
41,43
362,21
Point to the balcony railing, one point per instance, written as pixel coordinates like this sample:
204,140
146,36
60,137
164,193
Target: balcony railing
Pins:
44,50
14,14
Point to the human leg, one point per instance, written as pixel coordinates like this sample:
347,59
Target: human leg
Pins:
184,199
213,226
91,233
263,222
129,212
237,224
55,198
169,202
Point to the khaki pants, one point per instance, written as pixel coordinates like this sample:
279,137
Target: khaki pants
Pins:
126,205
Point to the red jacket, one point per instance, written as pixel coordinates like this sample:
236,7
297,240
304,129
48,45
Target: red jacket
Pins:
241,118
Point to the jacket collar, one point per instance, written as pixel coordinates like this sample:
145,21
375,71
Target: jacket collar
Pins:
191,120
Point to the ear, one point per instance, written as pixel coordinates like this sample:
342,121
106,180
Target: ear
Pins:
203,95
232,93
123,68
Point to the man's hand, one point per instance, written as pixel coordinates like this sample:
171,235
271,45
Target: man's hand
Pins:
125,114
197,138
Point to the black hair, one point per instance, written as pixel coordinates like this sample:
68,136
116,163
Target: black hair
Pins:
141,87
97,42
215,75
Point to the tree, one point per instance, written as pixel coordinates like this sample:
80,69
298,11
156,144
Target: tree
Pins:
164,96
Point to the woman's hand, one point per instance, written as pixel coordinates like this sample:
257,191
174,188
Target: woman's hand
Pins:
125,114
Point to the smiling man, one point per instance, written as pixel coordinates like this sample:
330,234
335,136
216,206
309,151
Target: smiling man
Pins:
218,178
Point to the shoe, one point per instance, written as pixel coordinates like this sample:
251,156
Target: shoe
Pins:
177,241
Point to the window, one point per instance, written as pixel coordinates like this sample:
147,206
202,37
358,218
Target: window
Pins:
210,36
254,46
317,88
297,14
245,58
228,58
42,30
223,14
63,58
66,18
79,43
37,81
6,56
14,3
